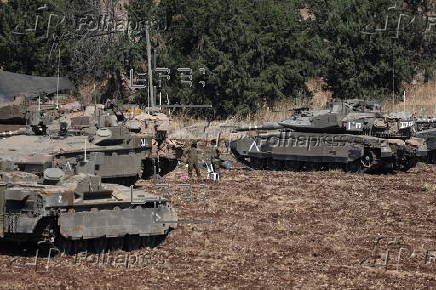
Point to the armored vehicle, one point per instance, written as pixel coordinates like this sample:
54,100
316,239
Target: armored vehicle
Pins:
101,140
425,123
426,129
111,153
353,135
78,213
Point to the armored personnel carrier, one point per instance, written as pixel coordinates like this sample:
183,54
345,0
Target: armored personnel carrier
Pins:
353,135
78,213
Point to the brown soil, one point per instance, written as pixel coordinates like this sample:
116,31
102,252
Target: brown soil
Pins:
274,230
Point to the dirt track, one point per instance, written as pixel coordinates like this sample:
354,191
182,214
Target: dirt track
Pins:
279,229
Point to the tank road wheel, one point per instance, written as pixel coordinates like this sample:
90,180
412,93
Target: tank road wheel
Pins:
116,243
153,241
292,165
80,246
257,163
309,166
368,160
323,166
132,242
432,157
333,166
47,232
65,246
275,165
99,245
410,163
149,241
145,241
354,166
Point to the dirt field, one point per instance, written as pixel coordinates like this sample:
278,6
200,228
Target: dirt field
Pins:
272,230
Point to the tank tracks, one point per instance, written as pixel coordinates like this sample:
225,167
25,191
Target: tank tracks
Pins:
371,161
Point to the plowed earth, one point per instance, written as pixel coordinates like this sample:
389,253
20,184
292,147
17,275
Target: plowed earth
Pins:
271,230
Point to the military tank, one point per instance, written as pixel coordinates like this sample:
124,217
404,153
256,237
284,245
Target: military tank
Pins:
117,147
426,129
78,213
111,152
425,123
352,135
97,144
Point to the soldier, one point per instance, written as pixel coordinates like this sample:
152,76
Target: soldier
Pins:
192,158
215,158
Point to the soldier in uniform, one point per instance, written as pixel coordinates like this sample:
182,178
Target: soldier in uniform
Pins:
215,158
192,158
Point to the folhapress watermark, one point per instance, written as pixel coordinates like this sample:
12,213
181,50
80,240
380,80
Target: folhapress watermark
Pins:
118,259
392,253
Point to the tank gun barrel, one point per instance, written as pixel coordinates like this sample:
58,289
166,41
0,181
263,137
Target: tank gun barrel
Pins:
265,126
296,111
426,120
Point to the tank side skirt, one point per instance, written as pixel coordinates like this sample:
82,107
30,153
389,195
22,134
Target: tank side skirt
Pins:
114,223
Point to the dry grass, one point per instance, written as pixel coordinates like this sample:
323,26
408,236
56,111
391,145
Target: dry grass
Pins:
183,121
91,91
429,187
420,99
280,110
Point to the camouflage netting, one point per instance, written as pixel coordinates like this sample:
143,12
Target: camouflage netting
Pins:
13,84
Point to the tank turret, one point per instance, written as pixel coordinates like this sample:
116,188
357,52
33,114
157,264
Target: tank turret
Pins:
334,118
353,134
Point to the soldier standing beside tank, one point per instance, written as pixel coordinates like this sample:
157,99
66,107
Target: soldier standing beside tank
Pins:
215,158
192,159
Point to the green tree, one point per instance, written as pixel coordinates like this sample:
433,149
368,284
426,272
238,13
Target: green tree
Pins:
89,51
254,52
374,47
24,45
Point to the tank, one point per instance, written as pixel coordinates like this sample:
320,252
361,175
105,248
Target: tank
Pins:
101,140
78,145
76,213
425,123
426,129
430,140
353,135
153,125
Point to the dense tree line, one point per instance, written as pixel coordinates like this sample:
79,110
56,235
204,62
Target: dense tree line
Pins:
254,52
374,47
